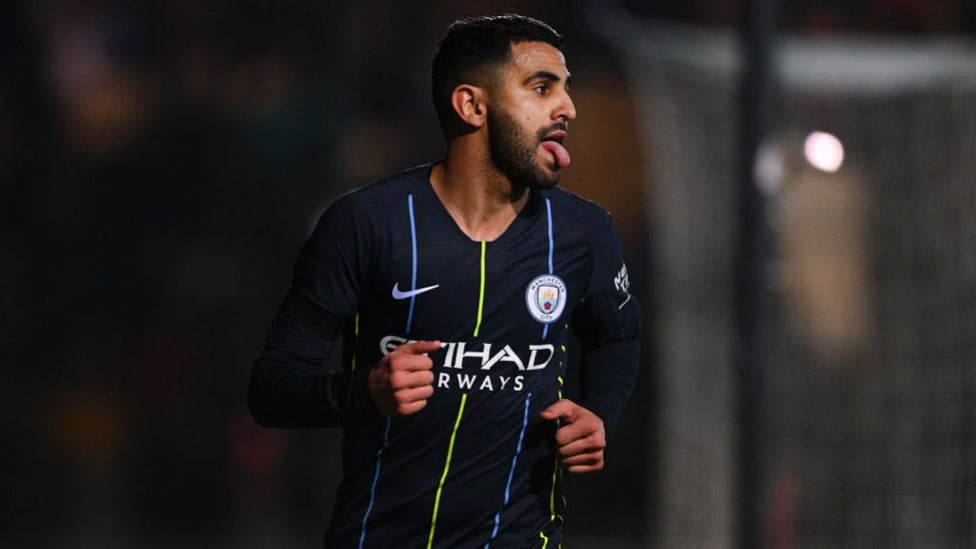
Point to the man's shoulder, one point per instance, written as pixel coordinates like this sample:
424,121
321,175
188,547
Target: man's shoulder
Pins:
580,207
381,195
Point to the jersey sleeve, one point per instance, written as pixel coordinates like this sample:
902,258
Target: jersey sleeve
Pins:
333,262
289,387
608,326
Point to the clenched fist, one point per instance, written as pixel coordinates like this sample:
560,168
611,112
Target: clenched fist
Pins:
580,439
403,380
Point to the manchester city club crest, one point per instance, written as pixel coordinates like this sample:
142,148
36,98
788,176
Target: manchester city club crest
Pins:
545,298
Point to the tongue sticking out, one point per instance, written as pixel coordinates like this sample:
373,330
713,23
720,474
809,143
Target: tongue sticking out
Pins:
559,153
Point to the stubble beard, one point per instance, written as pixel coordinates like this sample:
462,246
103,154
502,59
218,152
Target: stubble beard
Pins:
513,152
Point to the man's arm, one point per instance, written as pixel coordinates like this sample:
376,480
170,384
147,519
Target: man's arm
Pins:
608,375
289,387
608,325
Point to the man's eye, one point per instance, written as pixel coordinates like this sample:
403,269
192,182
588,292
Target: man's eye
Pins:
541,89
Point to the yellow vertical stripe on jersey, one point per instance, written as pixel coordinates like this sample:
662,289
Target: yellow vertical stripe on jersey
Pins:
552,494
447,467
481,292
355,340
545,540
556,475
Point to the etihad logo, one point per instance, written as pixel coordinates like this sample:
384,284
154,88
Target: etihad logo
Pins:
483,355
468,366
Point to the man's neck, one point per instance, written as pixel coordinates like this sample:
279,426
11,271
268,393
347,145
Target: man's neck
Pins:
483,202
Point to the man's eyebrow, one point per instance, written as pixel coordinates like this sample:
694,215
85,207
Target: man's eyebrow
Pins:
548,76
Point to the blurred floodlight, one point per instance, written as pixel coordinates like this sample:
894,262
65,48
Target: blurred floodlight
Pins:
824,151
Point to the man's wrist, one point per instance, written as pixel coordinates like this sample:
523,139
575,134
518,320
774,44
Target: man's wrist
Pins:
351,394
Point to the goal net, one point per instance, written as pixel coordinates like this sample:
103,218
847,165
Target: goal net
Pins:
870,402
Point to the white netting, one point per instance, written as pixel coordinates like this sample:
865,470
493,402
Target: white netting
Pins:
871,402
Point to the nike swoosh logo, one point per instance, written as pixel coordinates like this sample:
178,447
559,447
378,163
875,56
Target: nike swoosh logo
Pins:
397,294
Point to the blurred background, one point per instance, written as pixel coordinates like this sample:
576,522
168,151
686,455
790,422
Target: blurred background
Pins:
161,164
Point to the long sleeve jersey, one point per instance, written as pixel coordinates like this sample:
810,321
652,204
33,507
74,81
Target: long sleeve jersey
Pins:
477,467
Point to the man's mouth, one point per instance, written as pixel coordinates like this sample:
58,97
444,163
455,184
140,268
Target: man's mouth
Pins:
556,135
552,142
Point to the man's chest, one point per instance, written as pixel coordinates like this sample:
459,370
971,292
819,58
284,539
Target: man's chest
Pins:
446,286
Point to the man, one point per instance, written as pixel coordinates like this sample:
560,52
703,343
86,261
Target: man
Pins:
454,286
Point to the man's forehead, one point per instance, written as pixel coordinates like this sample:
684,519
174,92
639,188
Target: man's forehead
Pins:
533,56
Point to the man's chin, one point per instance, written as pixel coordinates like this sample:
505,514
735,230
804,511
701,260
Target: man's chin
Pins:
541,176
546,175
547,183
551,177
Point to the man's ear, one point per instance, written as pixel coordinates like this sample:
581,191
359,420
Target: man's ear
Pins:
469,102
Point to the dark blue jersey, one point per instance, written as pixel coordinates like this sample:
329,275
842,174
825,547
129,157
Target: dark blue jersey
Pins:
476,467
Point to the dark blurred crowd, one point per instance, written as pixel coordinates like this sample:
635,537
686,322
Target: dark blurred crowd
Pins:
160,164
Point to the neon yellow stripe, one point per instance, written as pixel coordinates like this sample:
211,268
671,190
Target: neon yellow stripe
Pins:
447,466
481,296
355,340
545,540
552,495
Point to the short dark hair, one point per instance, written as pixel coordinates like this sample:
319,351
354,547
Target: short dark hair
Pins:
473,47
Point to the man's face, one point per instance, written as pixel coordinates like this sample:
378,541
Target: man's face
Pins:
528,121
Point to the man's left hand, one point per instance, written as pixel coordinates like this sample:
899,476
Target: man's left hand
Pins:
581,438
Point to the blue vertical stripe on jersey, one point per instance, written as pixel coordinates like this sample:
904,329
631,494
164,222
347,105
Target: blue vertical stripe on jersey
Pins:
545,332
386,431
376,478
549,220
511,472
545,327
413,249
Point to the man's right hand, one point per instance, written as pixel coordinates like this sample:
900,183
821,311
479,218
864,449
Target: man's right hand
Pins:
404,379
